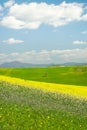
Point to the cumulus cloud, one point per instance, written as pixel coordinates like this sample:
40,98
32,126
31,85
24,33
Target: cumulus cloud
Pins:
1,8
9,3
12,22
45,56
84,17
12,41
78,42
32,15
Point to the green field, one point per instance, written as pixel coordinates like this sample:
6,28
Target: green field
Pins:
30,109
23,108
61,75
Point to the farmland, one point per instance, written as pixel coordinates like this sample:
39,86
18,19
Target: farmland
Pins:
25,108
27,102
61,75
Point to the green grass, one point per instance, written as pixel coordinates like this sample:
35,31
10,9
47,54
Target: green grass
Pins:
30,109
62,75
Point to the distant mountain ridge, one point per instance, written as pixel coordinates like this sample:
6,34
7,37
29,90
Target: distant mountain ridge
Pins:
17,64
74,64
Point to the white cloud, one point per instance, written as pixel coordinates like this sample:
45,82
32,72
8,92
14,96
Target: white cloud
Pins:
79,42
1,8
9,3
45,56
1,11
84,17
32,15
84,32
13,41
12,22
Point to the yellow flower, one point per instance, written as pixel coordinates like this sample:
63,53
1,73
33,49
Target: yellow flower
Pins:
72,90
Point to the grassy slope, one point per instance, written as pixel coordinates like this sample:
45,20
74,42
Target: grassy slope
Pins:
27,109
62,75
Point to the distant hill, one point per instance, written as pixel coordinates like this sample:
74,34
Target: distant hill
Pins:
17,64
74,64
70,64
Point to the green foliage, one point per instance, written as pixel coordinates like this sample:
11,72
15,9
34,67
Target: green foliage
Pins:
62,75
30,109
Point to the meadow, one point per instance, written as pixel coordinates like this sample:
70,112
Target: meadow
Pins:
62,75
26,106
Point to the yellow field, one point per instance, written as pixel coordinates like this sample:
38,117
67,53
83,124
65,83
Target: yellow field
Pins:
72,90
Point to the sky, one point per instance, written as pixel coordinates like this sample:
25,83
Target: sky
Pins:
43,31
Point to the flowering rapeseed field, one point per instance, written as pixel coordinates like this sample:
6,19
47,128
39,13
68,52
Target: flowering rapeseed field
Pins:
72,90
31,105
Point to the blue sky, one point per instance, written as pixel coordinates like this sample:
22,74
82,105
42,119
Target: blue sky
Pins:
43,31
